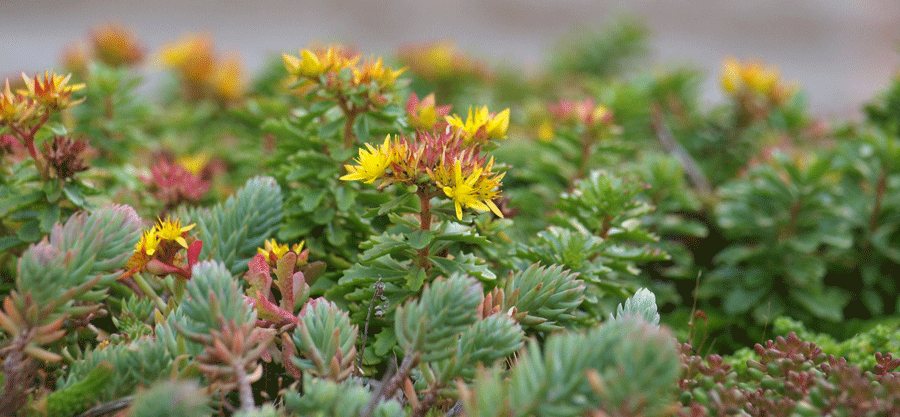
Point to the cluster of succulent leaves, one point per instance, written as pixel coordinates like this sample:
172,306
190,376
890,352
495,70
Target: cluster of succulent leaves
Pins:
635,218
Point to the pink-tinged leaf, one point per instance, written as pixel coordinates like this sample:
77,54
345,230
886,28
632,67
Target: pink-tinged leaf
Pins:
258,264
303,257
301,290
258,276
266,355
158,268
284,272
193,253
268,310
311,304
288,352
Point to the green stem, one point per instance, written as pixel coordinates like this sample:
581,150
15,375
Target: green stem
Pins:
178,291
148,291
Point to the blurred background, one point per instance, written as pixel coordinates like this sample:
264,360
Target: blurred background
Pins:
839,52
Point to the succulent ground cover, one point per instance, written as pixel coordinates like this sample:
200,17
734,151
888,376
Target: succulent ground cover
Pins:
430,234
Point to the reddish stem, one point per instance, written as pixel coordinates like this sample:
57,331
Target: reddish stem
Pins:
880,189
351,113
28,139
425,223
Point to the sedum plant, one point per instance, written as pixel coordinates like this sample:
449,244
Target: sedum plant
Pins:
41,158
63,277
333,238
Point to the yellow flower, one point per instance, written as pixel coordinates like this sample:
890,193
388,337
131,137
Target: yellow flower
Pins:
372,162
481,126
440,60
545,131
192,56
308,65
377,72
194,163
755,78
600,114
12,107
115,45
437,60
52,91
730,79
336,58
274,251
171,230
228,80
312,64
273,248
471,191
488,186
148,243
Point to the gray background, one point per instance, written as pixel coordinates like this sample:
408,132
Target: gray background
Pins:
840,51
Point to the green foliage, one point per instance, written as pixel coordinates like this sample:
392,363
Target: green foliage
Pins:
883,110
214,295
326,398
227,235
84,251
599,234
619,187
79,396
784,222
267,410
326,340
545,298
602,54
626,366
642,303
136,364
117,122
489,340
432,323
171,399
133,320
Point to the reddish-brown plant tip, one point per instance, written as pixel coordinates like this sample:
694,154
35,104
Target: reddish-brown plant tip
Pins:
172,184
65,156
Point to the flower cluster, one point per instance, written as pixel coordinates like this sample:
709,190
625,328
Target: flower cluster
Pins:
172,184
570,113
330,67
26,110
448,160
754,79
204,74
425,114
14,108
481,126
51,92
440,60
111,44
41,96
115,45
159,251
274,251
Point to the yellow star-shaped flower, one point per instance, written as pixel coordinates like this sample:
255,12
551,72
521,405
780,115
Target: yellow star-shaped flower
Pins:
372,163
171,230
